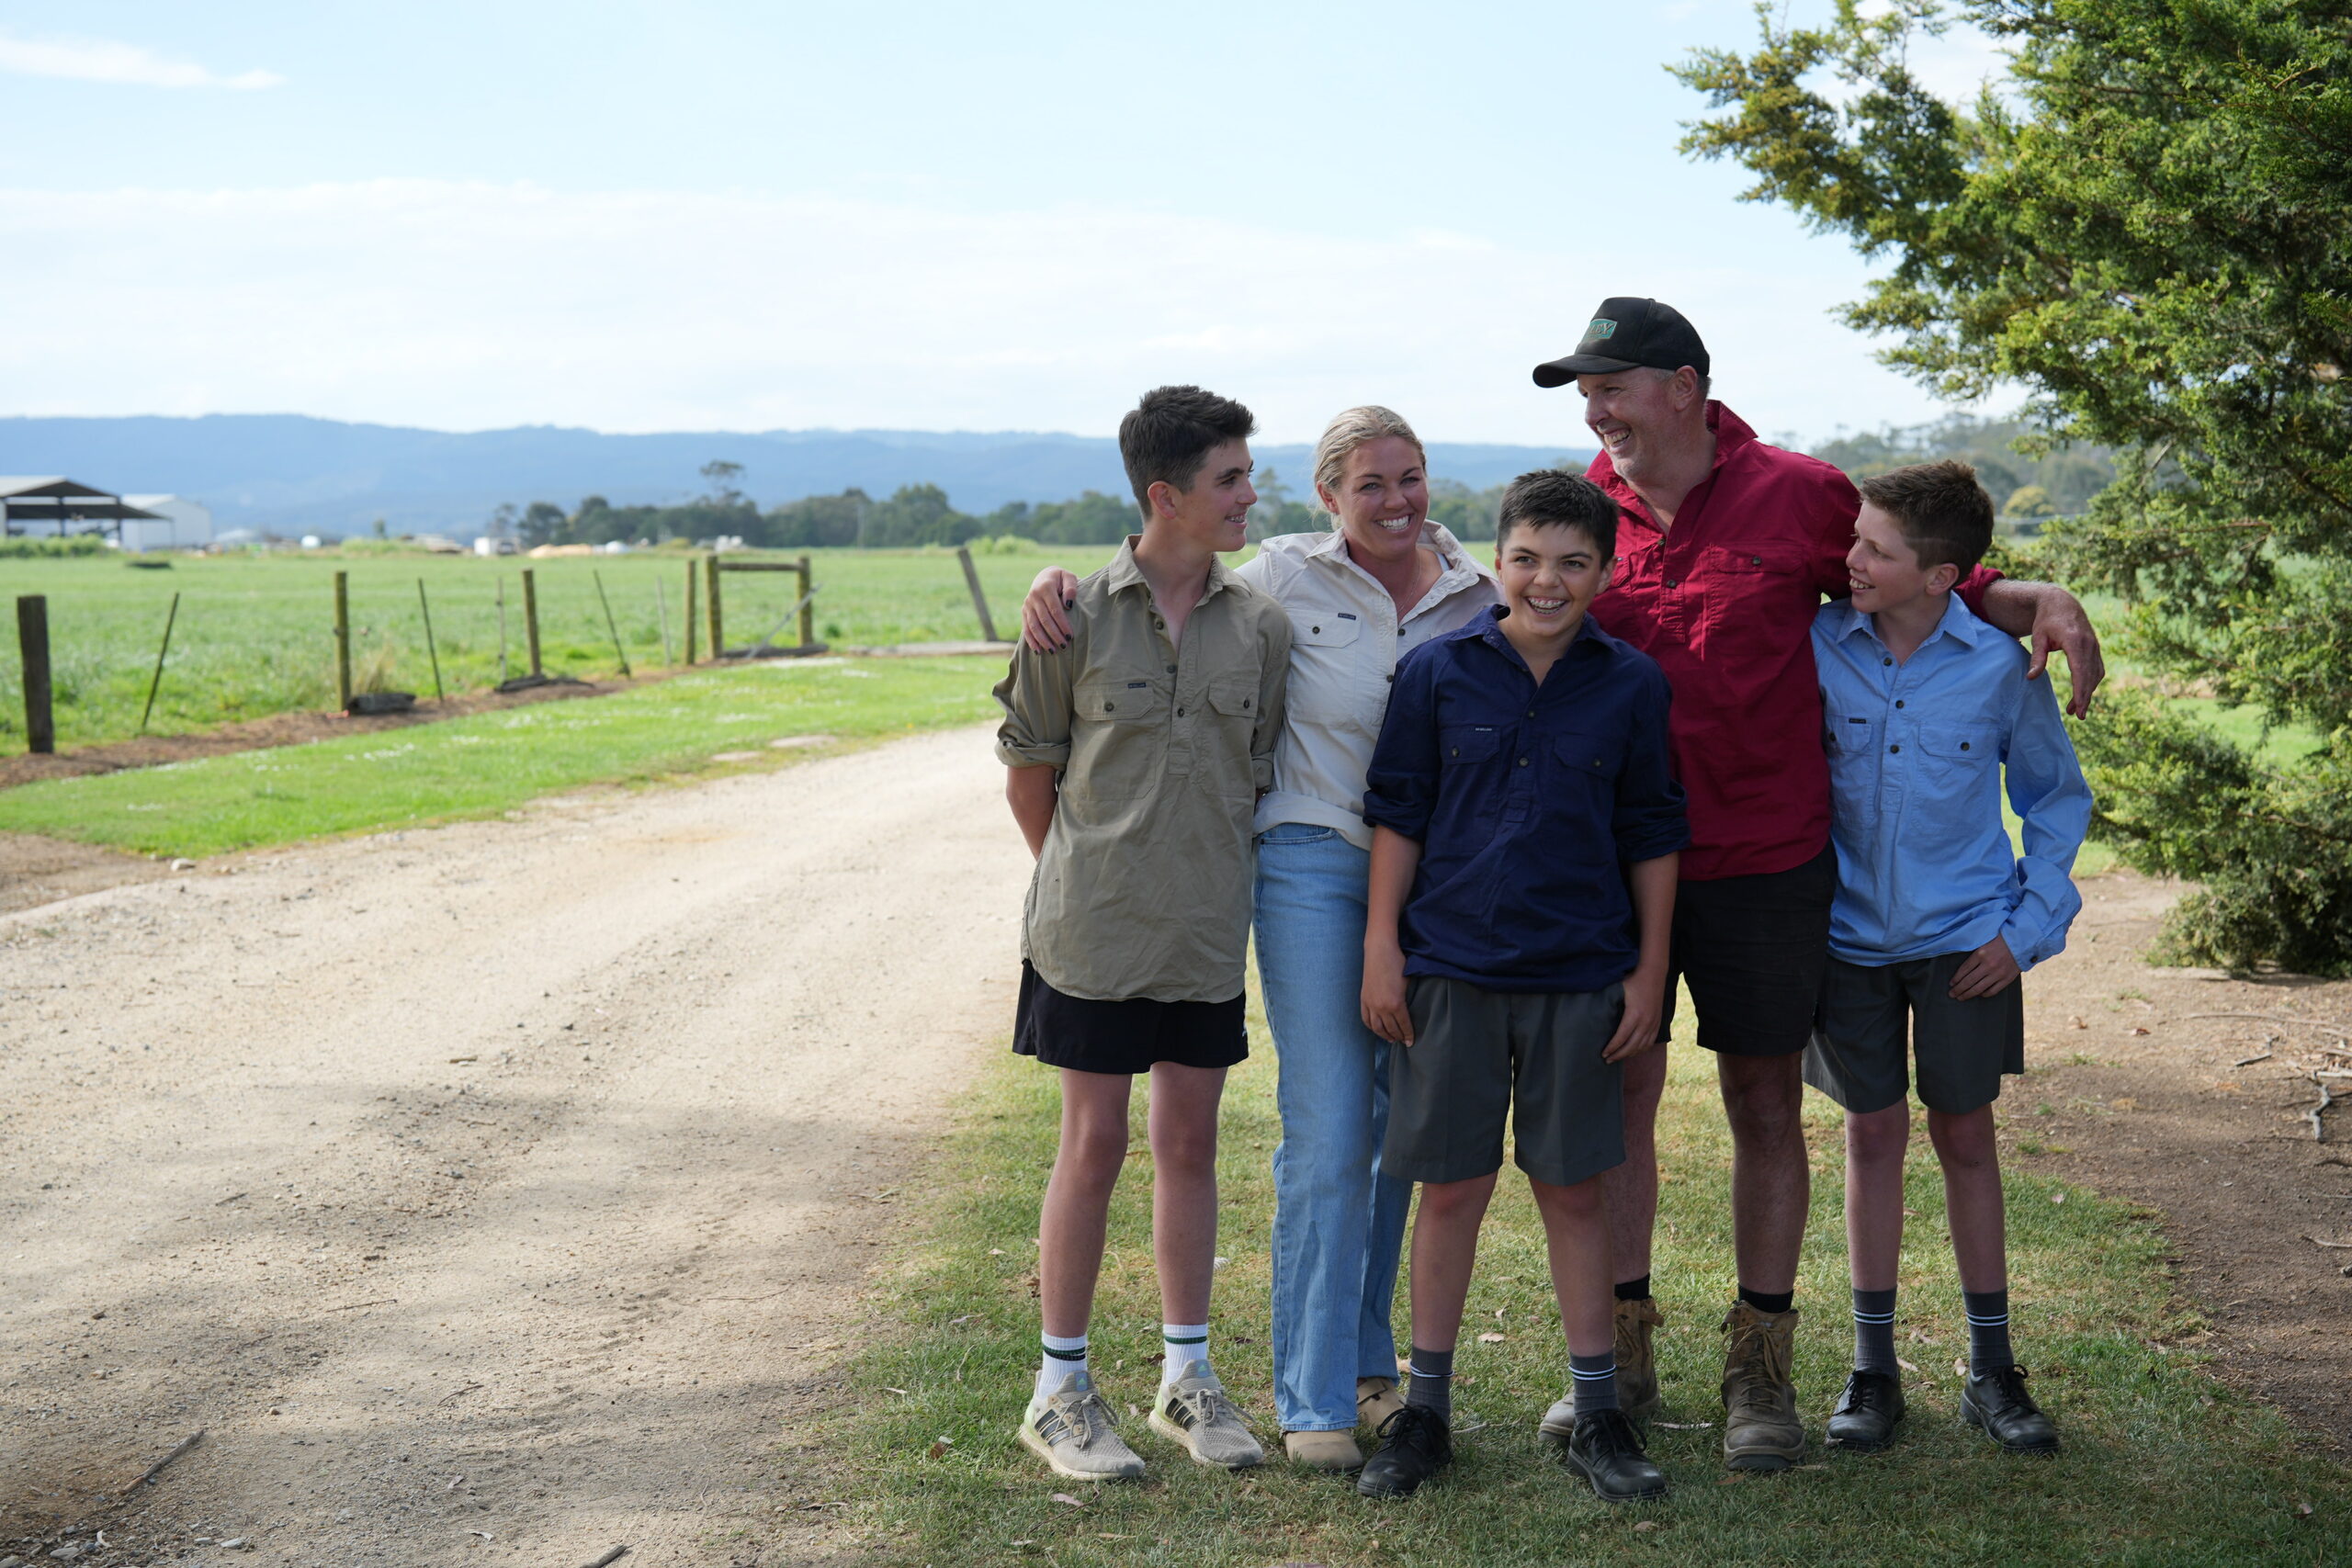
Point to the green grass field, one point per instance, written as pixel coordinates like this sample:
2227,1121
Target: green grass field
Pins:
485,763
2163,1464
255,633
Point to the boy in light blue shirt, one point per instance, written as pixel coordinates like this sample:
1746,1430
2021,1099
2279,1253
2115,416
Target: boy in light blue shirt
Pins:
1925,707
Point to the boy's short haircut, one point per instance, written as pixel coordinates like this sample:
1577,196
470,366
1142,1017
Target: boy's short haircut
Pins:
1169,434
1943,511
1550,496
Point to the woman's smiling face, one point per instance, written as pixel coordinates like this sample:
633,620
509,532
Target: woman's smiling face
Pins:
1382,498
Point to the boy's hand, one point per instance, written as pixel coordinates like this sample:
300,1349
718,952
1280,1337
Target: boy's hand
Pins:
1384,1012
1988,971
1045,623
1637,1029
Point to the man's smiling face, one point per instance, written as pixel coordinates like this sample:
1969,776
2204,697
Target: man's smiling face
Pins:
1631,413
1214,512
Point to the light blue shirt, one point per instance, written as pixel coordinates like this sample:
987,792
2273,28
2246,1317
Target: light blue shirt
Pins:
1916,748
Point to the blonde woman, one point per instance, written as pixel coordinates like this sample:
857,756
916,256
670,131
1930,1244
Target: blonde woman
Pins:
1383,581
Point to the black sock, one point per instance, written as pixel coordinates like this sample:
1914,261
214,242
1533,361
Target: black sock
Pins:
1772,1305
1875,1332
1988,1331
1635,1290
1430,1386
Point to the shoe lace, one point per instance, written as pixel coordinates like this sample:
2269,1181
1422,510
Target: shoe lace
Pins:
1410,1426
1083,1415
1760,1362
1206,1406
2010,1381
1612,1433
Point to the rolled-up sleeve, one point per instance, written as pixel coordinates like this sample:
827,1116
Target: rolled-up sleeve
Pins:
1274,683
2054,804
1036,695
1649,820
1400,787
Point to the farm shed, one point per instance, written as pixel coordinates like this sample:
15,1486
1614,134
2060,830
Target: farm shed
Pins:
47,506
186,524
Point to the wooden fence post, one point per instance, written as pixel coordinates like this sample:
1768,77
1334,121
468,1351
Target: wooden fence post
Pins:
156,684
693,572
343,640
980,600
531,617
808,604
710,592
32,641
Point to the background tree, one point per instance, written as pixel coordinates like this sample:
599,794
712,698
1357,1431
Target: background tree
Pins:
2149,227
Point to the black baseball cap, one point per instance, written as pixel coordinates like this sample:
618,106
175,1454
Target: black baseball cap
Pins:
1624,333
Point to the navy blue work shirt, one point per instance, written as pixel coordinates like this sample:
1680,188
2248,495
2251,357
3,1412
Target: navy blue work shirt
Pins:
1528,801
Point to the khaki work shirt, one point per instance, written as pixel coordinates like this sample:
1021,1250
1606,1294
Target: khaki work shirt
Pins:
1143,888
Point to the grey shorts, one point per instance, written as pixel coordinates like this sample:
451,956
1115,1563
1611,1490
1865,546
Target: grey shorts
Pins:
1479,1057
1859,1055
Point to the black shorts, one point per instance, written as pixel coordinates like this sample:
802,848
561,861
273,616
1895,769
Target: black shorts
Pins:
1876,1018
1754,950
1125,1037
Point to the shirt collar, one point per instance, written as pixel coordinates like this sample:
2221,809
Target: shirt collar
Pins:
1123,573
1488,629
1956,623
1460,566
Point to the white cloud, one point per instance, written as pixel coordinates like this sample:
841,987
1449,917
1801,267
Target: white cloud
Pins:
100,60
462,306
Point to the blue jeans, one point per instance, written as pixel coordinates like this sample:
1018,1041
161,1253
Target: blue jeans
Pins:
1338,1223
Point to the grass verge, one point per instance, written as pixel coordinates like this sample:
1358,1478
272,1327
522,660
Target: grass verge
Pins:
489,762
2163,1463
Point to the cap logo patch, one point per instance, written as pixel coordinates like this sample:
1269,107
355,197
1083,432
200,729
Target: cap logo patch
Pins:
1600,329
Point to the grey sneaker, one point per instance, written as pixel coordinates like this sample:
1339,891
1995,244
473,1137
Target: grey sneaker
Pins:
1070,1430
1194,1412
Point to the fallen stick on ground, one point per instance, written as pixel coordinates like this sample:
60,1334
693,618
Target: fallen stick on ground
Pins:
2276,1018
355,1306
2249,1061
2326,1098
614,1555
2340,1245
156,1469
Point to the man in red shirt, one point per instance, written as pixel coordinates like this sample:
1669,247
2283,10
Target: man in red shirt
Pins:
1727,547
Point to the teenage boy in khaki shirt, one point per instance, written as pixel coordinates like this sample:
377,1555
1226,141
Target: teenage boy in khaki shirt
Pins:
1137,754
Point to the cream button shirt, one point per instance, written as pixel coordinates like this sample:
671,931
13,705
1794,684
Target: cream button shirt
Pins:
1345,642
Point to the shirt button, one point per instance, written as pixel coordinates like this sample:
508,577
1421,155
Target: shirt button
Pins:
1886,661
1963,745
1318,630
1456,751
1531,713
1894,748
1172,669
1522,761
1898,701
1674,583
1180,713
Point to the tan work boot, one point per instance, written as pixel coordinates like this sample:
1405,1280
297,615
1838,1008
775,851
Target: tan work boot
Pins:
1637,1362
1760,1427
1376,1401
1334,1451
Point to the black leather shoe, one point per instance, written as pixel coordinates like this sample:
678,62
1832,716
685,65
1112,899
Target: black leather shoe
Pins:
1998,1403
1604,1450
1867,1412
1415,1444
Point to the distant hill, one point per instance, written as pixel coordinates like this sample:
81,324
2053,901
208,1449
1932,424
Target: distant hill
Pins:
291,474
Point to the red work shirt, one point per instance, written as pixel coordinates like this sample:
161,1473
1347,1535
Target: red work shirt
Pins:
1725,602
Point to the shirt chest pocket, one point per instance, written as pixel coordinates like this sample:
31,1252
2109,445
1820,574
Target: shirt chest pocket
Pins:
1117,739
1596,756
1851,743
1328,686
1759,600
1959,757
1468,745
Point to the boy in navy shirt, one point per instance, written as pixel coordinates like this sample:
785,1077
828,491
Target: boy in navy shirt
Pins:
1521,795
1935,916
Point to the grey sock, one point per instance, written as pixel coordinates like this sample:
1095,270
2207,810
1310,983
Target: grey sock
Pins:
1595,1379
1875,1332
1431,1386
1988,1331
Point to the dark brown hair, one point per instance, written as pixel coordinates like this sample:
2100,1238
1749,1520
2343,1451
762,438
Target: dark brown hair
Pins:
1944,513
1570,500
1170,434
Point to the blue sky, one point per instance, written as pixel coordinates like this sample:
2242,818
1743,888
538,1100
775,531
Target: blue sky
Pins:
703,215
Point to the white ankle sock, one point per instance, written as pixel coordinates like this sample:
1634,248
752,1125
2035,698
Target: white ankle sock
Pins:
1181,1345
1062,1357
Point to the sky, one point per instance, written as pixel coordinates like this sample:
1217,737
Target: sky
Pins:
739,216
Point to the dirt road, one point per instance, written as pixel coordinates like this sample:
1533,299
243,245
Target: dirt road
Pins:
477,1190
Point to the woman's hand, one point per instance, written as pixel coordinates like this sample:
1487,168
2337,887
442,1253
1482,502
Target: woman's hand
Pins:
1644,1004
1384,1012
1045,619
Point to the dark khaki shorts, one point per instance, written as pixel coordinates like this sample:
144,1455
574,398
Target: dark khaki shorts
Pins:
1858,1051
1480,1057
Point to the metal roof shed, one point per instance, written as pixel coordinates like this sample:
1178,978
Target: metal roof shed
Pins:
51,505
